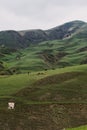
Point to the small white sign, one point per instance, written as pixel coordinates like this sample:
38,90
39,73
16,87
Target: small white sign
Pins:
11,105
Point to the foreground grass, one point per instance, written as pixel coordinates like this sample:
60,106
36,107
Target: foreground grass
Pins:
11,84
78,128
45,99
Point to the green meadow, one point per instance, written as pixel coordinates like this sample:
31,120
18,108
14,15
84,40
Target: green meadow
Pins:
79,128
45,97
13,83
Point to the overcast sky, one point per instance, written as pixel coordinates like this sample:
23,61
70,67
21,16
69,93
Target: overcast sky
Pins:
43,14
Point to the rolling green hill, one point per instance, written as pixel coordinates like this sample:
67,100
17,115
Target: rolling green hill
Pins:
79,128
48,55
45,73
55,99
35,50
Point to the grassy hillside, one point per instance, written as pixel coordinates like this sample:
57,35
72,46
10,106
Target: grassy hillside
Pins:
48,55
47,80
19,56
79,128
53,99
20,81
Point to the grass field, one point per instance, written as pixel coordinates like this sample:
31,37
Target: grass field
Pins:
13,83
44,99
79,128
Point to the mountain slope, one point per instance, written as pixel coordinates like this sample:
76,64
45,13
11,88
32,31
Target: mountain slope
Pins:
20,39
63,88
35,36
11,39
65,30
48,55
45,101
54,99
32,55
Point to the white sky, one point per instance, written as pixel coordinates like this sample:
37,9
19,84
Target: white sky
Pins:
40,14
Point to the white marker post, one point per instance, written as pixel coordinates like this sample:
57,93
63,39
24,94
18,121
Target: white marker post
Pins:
11,105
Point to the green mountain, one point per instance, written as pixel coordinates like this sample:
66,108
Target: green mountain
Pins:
20,39
35,50
11,39
65,30
45,73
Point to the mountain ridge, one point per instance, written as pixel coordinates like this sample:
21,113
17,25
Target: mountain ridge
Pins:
36,50
22,39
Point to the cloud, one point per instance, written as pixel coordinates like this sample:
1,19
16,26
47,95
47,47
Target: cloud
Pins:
69,2
23,7
25,14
